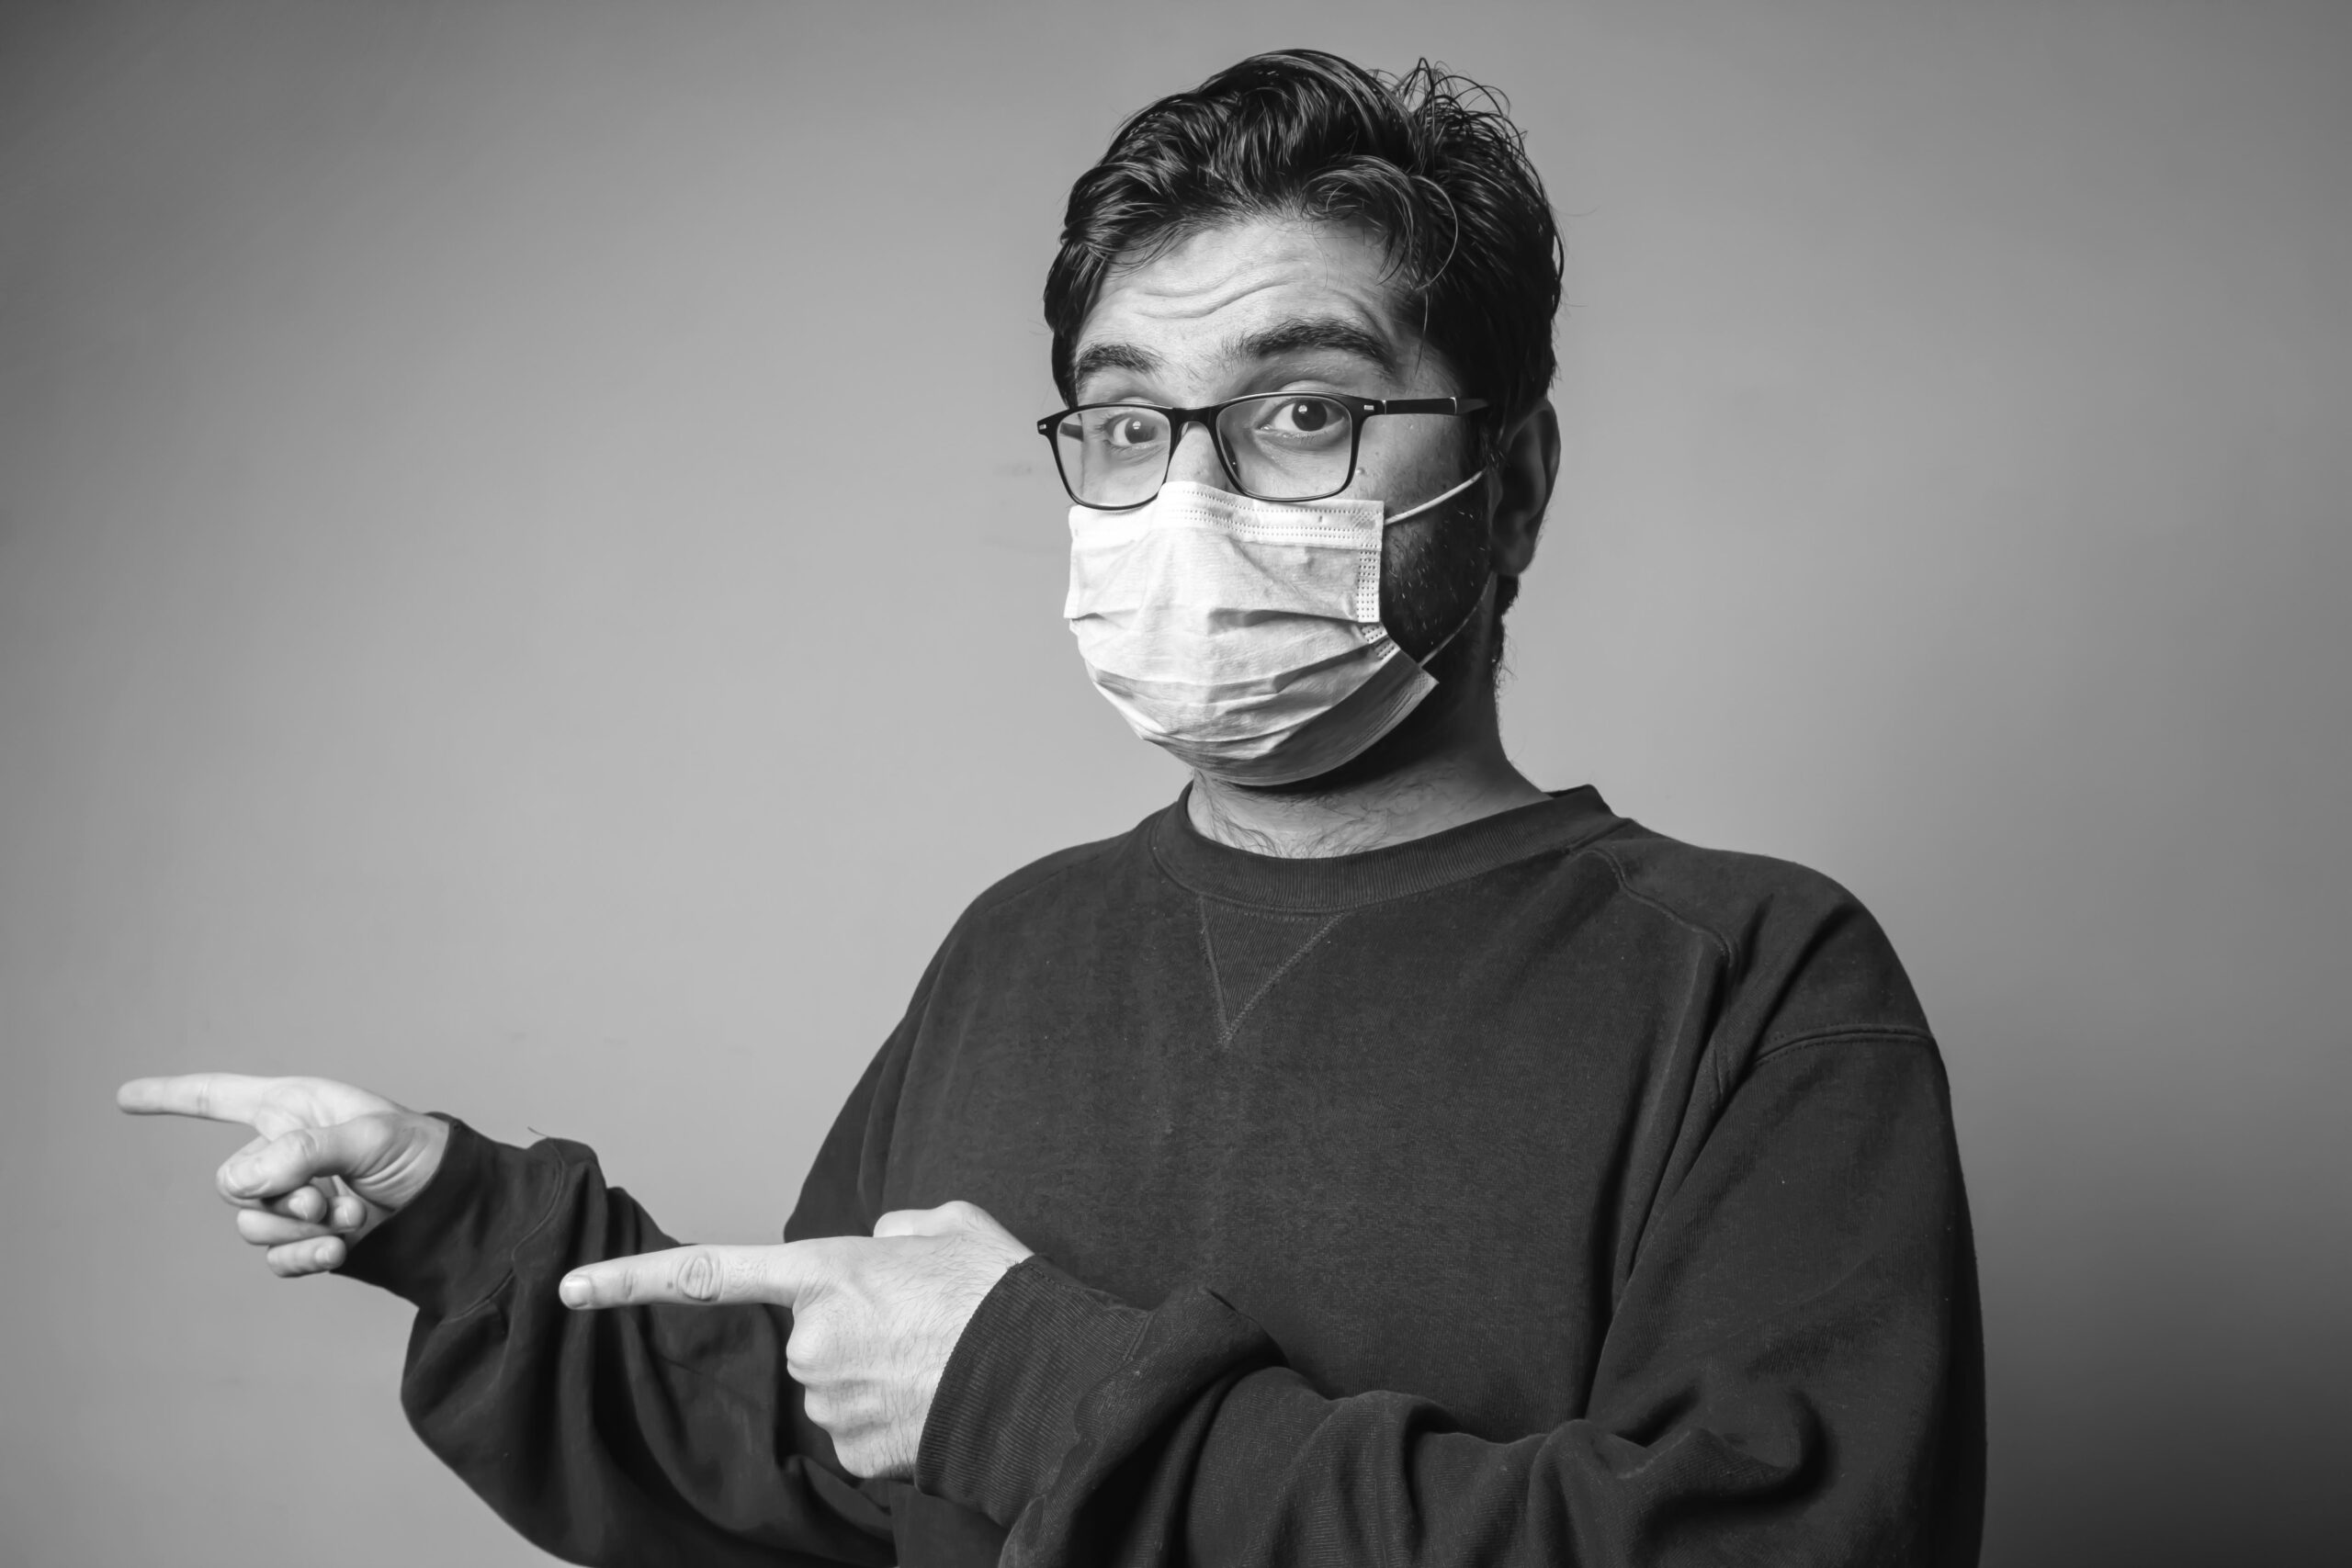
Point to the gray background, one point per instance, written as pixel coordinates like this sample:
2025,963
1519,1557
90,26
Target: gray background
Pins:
525,581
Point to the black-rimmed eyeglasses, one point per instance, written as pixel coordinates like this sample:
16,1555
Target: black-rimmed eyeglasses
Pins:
1274,446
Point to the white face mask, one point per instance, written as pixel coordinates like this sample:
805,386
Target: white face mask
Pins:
1244,636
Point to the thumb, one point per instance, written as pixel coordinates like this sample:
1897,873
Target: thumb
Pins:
955,1218
347,1149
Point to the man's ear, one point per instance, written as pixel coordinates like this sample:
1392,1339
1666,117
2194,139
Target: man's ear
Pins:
1529,462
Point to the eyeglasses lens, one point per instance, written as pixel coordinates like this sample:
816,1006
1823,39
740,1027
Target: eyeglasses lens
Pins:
1113,456
1288,447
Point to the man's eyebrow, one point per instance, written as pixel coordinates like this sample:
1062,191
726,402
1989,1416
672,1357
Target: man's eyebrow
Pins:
1329,332
1320,332
1098,356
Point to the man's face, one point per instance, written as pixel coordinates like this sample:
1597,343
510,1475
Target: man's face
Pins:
1279,305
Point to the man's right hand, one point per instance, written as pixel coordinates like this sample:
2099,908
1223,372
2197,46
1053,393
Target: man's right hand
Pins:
331,1163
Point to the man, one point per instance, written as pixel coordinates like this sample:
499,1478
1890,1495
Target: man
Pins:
1418,1166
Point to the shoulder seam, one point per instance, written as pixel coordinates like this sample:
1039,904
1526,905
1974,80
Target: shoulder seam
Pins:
1722,944
1837,1036
1625,881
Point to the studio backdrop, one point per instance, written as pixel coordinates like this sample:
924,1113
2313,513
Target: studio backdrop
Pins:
527,581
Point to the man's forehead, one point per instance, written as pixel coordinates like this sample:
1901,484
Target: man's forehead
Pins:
1244,290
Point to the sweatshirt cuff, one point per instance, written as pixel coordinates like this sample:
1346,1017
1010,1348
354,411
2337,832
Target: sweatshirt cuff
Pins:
1004,1414
453,1244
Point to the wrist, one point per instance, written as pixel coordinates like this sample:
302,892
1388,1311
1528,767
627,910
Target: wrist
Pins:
449,1243
420,1152
1004,1412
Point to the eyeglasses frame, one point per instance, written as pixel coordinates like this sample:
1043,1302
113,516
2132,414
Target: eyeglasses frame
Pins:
1179,420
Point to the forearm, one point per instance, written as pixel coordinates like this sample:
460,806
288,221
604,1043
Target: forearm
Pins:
1789,1376
653,1434
1199,1447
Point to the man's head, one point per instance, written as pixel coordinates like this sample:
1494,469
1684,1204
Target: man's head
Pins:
1424,164
1298,224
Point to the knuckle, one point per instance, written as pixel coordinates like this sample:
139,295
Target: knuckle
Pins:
701,1277
808,1348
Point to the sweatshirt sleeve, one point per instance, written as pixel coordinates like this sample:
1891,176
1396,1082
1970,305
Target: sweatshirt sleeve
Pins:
1792,1374
639,1434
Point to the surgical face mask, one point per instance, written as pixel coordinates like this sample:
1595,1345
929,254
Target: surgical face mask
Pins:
1244,636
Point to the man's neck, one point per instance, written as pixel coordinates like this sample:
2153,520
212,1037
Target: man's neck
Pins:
1461,780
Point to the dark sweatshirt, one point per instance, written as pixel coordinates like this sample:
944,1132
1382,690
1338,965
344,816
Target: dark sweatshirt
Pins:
1541,1192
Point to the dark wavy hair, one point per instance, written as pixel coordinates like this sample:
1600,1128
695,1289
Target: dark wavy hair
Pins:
1427,160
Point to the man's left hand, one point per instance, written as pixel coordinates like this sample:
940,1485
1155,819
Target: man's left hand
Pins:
873,1320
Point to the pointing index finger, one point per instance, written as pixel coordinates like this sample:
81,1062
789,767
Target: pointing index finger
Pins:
694,1276
215,1097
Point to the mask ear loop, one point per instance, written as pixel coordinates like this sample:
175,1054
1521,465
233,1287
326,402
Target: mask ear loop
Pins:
1459,626
1435,499
1475,604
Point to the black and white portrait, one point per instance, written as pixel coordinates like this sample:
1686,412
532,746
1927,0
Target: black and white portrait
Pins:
1280,786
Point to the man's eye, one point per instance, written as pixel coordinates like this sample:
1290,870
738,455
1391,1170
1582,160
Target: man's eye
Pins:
1298,421
1128,431
1305,416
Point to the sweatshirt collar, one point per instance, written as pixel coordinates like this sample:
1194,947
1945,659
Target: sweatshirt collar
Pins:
1569,820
